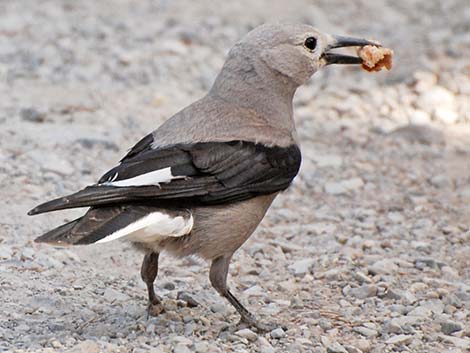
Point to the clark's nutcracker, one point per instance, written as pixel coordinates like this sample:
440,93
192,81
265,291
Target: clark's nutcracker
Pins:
201,183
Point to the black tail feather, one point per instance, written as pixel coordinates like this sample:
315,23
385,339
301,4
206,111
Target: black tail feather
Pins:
59,235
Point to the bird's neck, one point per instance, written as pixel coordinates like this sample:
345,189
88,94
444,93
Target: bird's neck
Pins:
251,84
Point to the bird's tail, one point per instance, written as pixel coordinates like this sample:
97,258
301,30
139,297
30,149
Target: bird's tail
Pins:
59,235
137,223
96,224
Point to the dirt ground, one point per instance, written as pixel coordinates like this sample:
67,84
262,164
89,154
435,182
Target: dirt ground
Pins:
368,251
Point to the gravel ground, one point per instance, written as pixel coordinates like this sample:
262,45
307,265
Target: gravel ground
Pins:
367,252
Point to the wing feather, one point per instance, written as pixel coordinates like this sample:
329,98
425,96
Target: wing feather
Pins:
202,173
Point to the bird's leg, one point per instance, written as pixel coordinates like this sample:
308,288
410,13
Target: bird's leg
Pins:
149,272
218,277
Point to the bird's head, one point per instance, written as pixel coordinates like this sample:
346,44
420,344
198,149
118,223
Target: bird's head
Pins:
293,51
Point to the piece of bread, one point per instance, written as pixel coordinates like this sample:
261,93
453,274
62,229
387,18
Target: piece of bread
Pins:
374,58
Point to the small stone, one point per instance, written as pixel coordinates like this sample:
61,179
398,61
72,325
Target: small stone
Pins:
333,188
325,324
422,246
353,184
439,181
169,285
446,116
255,291
111,295
87,346
449,327
421,312
419,117
362,278
278,333
201,347
265,346
218,307
301,267
186,297
352,349
327,160
336,348
383,267
181,348
365,291
392,326
247,333
363,344
366,332
428,262
450,272
33,115
181,340
56,344
463,343
400,339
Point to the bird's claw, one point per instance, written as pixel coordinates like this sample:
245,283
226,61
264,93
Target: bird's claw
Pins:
155,308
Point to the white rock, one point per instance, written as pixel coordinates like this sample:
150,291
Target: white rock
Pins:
419,117
333,188
353,184
301,267
436,97
278,333
247,333
336,348
400,339
255,291
328,160
446,115
181,348
383,267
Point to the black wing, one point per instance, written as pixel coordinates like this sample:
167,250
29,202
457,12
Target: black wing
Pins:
202,173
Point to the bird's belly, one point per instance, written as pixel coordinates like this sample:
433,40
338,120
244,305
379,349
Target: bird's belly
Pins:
217,230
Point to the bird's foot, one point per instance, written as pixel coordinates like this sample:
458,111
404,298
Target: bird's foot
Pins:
155,307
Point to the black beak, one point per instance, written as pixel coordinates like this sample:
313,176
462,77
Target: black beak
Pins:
342,42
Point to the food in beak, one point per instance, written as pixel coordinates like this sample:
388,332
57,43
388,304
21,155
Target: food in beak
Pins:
375,58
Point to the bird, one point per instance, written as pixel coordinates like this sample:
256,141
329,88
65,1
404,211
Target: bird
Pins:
200,183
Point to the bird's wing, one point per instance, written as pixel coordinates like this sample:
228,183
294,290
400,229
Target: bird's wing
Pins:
201,173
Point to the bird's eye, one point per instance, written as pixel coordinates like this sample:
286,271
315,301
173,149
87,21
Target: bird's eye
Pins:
310,43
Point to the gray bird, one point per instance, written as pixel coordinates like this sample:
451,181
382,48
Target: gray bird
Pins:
201,183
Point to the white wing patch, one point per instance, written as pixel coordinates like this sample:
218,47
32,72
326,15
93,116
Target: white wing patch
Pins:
152,178
153,227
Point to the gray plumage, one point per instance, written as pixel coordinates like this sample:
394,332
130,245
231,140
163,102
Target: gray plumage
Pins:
201,183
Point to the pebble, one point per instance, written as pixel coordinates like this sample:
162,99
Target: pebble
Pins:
247,333
366,332
188,298
181,348
218,307
265,346
32,115
87,346
278,333
336,348
333,188
301,267
384,267
364,291
400,339
449,327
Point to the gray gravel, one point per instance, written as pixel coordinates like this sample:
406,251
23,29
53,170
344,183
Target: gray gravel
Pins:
367,252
